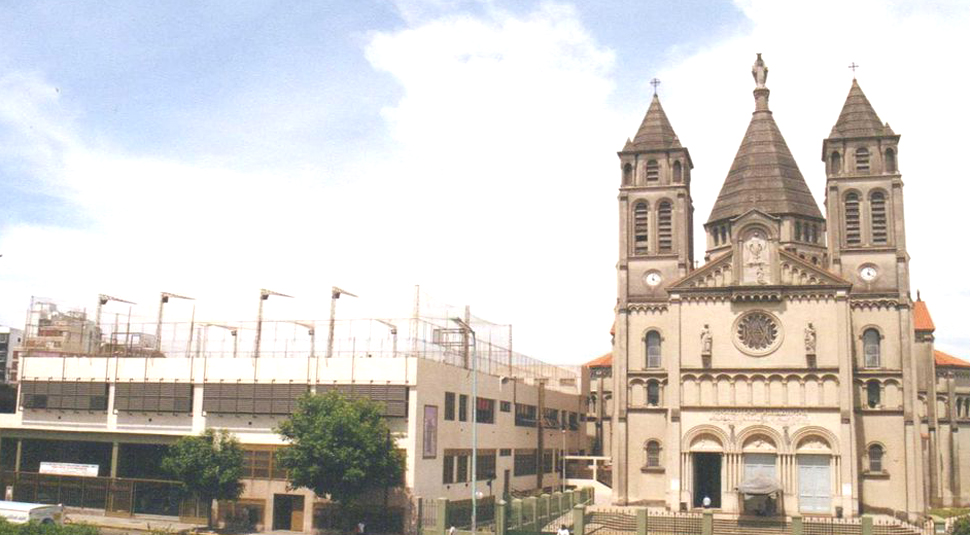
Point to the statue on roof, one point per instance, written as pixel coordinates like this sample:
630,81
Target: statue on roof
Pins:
760,72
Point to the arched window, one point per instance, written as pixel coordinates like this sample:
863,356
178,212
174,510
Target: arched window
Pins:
875,458
871,349
665,235
724,234
835,163
890,161
653,171
877,208
678,172
717,237
640,228
798,231
653,393
627,175
814,233
653,349
853,234
653,454
862,160
873,394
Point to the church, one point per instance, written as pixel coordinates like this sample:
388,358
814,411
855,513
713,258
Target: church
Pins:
791,372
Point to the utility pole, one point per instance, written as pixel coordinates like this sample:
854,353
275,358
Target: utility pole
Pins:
335,294
161,306
467,331
263,296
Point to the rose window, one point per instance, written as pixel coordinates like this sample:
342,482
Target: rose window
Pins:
757,333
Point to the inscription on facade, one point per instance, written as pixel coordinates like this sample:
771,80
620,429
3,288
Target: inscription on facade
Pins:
756,416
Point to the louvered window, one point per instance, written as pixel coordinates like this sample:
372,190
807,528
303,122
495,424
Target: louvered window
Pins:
64,395
641,234
394,398
798,231
248,398
871,349
665,235
862,160
678,172
653,349
653,171
877,206
627,174
153,397
853,235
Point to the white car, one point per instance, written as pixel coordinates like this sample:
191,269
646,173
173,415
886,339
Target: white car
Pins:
22,513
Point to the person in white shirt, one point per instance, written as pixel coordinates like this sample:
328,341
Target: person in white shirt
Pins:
563,530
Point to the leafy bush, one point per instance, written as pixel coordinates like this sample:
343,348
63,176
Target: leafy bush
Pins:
35,528
961,526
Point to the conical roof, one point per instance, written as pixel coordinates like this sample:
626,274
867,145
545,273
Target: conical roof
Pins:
764,174
858,119
655,132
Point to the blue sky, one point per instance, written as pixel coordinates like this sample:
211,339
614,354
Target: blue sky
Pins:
468,146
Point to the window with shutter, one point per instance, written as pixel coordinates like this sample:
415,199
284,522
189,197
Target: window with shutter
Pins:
853,231
879,224
641,234
665,235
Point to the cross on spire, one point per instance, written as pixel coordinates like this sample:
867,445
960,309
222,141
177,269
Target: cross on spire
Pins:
853,66
655,82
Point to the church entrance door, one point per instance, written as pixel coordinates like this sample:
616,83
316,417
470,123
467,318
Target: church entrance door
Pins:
814,484
707,478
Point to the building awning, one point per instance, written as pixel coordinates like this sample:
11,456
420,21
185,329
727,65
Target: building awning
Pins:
759,485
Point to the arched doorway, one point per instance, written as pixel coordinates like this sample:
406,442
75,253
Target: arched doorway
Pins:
706,452
814,456
760,489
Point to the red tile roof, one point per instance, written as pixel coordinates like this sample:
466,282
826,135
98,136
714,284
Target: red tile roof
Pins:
921,317
943,359
601,362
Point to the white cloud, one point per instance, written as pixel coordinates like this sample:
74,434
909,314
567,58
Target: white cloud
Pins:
494,196
500,191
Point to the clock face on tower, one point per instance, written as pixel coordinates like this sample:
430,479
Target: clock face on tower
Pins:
652,278
868,272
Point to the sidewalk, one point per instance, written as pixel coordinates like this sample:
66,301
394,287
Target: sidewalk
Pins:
131,524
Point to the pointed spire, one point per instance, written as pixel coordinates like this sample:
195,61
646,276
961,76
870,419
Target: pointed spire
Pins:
655,132
858,119
764,174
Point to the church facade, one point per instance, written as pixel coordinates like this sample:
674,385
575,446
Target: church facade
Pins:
791,372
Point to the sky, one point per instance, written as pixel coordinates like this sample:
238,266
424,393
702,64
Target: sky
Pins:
469,146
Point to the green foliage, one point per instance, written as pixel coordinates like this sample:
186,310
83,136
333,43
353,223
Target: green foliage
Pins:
961,526
947,512
339,447
208,466
35,528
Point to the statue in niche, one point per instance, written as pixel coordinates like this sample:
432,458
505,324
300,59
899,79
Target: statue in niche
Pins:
810,339
707,341
755,257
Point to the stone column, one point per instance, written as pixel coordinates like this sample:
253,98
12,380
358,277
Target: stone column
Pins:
114,459
579,520
501,510
641,521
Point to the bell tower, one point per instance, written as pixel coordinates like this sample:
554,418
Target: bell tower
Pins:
864,200
656,210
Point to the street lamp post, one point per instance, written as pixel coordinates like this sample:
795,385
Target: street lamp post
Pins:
263,295
161,306
467,330
335,294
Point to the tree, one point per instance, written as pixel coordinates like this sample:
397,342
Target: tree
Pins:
339,447
208,466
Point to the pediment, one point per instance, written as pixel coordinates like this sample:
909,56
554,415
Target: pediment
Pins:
792,271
